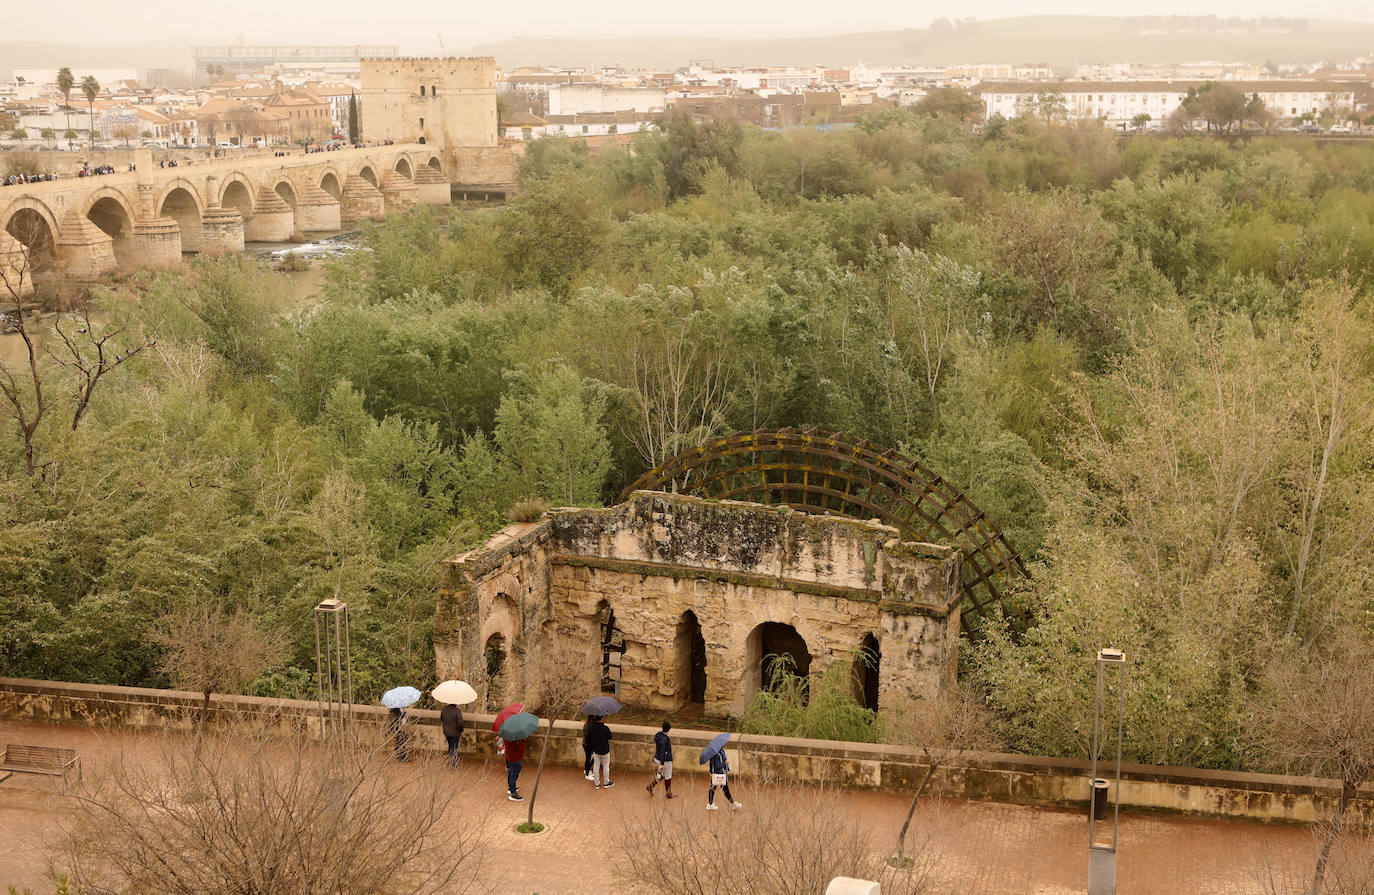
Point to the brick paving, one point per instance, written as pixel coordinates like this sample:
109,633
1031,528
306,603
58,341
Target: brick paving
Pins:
986,849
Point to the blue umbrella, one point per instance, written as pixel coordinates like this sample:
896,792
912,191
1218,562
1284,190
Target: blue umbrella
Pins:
518,726
601,706
713,748
400,697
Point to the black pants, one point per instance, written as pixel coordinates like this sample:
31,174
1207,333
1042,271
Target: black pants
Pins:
711,794
453,749
586,759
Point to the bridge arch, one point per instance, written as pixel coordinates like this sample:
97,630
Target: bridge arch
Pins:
114,216
237,193
404,169
33,224
366,172
436,164
180,202
831,473
287,190
332,183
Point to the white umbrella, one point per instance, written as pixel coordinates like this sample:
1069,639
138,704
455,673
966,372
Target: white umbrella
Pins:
454,692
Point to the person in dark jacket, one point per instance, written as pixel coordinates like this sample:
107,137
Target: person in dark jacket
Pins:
587,750
720,770
599,738
397,723
451,718
663,762
515,760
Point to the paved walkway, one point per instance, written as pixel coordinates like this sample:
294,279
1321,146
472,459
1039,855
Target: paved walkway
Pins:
986,849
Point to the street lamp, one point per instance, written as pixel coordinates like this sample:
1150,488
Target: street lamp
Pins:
1102,851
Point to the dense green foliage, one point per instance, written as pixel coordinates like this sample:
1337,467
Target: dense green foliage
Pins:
1149,360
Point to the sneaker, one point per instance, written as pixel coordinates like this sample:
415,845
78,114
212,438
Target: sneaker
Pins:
596,785
516,797
589,777
712,807
649,789
671,796
737,805
608,784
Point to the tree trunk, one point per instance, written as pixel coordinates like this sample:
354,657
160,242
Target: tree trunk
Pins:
1348,790
910,812
539,772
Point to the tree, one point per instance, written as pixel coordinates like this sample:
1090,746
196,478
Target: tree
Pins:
125,132
256,811
1315,715
954,103
689,150
65,82
554,228
944,728
1141,121
565,677
554,439
47,134
210,650
352,117
90,88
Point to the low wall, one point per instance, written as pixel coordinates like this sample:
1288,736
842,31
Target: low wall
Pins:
1019,779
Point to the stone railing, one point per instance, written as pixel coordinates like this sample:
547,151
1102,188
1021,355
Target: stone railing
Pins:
1020,779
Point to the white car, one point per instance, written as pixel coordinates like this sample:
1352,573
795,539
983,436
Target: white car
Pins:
1339,129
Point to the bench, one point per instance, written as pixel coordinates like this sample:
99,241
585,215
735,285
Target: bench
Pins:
53,761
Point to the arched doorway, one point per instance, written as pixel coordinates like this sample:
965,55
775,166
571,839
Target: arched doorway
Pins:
772,650
403,168
866,667
689,650
330,184
369,175
107,214
180,206
286,192
494,655
32,232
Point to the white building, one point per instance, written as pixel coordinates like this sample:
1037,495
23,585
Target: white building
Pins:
576,99
1118,102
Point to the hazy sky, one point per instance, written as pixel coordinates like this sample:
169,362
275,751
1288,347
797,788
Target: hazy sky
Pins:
416,26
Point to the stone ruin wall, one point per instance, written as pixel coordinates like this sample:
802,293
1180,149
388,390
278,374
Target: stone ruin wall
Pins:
733,565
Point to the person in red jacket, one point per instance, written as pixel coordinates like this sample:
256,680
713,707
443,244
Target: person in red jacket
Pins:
515,760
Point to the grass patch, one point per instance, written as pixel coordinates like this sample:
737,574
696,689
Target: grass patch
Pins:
535,827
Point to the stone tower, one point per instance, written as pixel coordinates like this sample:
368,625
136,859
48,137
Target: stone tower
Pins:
446,103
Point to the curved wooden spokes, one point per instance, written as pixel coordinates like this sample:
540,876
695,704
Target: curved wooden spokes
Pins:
829,472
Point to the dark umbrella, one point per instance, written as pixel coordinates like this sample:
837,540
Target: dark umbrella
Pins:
713,748
518,726
513,709
601,706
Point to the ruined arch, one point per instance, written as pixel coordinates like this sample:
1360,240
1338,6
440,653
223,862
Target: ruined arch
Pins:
771,649
831,473
435,164
366,173
404,169
287,191
237,193
867,669
32,223
180,204
689,659
115,220
330,184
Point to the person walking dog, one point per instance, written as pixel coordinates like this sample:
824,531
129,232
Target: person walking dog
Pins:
663,762
599,738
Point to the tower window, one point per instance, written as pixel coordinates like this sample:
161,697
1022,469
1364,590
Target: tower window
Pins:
422,89
433,90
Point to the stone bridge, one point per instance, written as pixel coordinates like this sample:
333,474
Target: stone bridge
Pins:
82,228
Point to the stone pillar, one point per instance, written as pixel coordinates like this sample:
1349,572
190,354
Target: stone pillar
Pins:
15,273
83,251
361,201
434,188
156,243
317,211
272,221
221,230
400,192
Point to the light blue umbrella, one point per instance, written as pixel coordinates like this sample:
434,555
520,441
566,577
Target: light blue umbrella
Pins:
400,697
713,748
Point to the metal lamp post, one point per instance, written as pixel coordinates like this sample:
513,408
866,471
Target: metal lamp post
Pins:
1102,851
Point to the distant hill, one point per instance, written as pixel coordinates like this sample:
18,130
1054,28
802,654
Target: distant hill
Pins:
50,55
1057,40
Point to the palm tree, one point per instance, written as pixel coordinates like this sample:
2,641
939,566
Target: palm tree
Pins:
91,88
65,82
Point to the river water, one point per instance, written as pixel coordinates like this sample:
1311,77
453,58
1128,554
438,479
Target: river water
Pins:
301,285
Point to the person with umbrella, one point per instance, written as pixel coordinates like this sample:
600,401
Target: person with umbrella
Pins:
599,738
397,699
453,694
513,726
720,770
663,762
595,709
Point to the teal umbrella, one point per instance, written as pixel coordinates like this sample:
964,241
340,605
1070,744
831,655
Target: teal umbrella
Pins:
518,726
